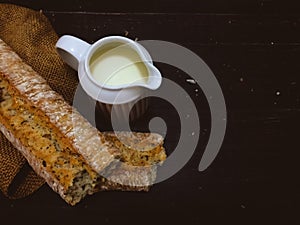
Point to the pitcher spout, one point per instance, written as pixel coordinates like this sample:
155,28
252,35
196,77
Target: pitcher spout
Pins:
154,79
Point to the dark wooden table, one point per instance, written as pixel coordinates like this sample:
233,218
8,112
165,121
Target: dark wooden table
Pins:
253,48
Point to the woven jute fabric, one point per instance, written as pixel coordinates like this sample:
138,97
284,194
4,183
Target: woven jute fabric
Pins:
30,34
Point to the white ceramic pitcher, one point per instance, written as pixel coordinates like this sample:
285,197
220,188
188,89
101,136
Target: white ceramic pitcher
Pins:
78,54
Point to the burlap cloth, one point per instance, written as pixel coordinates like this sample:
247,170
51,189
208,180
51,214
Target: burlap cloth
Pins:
31,35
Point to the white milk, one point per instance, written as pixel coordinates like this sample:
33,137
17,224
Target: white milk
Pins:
118,65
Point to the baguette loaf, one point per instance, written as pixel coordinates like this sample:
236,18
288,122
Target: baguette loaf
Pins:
72,156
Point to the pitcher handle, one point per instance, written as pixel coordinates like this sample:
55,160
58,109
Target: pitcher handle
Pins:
71,49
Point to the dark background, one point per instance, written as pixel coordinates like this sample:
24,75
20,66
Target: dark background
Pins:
253,48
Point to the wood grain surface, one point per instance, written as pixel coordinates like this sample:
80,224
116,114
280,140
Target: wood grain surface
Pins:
253,48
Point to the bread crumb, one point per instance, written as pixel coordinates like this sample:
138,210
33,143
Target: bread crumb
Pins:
191,81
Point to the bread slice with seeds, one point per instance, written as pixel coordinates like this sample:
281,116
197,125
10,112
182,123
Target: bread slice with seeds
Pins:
72,156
